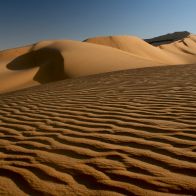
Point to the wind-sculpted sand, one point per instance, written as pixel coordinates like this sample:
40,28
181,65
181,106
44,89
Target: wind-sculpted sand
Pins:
49,61
53,60
182,51
122,133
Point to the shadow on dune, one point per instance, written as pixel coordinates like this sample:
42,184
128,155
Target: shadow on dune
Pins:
49,61
168,38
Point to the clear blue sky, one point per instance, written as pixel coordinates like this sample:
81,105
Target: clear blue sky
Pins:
27,21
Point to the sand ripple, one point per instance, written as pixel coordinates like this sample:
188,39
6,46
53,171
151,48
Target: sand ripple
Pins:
122,133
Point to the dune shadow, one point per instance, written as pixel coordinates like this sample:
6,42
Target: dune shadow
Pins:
168,38
49,61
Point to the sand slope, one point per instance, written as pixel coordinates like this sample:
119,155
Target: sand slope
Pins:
49,61
177,52
122,133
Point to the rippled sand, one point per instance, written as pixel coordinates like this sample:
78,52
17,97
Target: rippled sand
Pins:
122,133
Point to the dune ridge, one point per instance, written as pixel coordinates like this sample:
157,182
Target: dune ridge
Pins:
49,61
181,51
53,60
129,132
168,38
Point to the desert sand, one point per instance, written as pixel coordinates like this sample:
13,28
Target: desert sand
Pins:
53,60
49,61
168,38
107,116
130,132
182,51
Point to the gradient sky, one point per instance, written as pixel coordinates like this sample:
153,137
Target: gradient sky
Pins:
27,21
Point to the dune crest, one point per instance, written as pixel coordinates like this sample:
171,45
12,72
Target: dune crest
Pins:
54,60
168,38
49,61
162,54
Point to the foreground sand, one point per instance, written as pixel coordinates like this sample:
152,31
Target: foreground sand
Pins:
122,133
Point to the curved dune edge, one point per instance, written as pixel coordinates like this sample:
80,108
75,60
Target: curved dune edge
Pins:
49,61
123,133
182,51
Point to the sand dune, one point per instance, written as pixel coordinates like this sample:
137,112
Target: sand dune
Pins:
49,61
177,52
122,133
168,38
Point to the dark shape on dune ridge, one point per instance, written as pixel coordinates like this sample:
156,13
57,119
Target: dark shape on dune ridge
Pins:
49,61
168,38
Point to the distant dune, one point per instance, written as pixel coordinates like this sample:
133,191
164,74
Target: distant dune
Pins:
49,61
130,132
168,38
177,52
